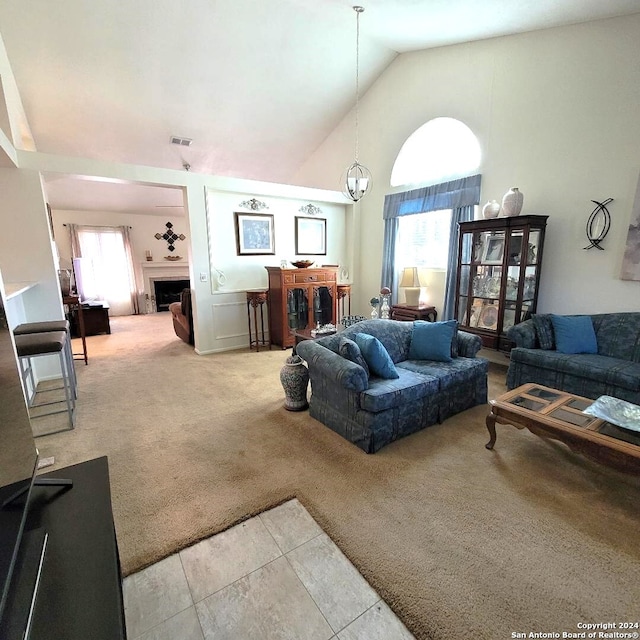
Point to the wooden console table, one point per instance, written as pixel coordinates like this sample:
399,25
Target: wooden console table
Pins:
73,302
343,292
559,415
96,319
409,313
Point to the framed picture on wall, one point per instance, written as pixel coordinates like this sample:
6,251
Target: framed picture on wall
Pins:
311,236
254,234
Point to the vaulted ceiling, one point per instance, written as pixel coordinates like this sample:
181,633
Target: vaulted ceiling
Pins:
257,84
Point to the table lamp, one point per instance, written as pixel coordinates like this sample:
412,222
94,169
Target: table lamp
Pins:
412,282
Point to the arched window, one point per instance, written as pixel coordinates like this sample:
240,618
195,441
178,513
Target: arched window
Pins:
441,149
421,224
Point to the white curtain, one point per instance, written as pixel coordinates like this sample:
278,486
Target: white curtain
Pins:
107,267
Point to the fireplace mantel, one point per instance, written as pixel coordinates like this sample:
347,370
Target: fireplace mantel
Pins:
162,265
152,271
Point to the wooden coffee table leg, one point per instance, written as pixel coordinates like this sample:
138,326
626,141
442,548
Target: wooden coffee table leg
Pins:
491,425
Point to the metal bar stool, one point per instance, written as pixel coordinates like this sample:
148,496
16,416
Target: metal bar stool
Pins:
45,327
32,345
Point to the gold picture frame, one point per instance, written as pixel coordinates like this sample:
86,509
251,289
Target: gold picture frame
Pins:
488,318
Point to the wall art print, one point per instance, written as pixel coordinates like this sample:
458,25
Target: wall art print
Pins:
255,234
631,260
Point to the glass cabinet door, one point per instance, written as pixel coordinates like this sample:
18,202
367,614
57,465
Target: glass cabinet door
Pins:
297,308
480,284
322,306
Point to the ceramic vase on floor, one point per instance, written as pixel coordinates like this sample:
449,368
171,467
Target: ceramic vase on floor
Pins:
491,209
512,202
294,377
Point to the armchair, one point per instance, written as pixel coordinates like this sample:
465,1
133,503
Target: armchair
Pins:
182,316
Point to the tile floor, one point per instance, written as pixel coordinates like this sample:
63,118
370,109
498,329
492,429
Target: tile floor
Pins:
277,576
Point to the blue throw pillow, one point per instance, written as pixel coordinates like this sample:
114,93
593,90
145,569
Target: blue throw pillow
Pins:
351,351
432,340
376,356
574,334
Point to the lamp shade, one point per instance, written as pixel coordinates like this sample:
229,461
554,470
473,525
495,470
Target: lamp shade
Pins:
412,282
411,277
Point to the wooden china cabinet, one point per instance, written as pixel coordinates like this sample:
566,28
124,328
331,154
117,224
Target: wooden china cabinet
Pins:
300,299
499,262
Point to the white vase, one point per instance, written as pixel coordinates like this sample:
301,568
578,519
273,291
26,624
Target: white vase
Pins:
491,209
512,202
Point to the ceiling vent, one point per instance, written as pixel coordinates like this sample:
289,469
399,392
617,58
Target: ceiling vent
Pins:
184,142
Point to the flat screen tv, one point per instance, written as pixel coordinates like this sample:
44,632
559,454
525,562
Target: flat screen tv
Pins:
18,456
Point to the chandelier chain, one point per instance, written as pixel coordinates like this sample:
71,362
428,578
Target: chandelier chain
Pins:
358,11
357,178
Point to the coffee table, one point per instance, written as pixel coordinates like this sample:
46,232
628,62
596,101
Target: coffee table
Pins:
559,415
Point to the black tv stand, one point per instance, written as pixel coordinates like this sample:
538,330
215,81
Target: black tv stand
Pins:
80,584
39,482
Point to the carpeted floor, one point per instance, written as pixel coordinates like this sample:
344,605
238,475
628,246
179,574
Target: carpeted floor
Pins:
460,541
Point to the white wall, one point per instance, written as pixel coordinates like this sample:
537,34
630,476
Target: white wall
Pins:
556,113
26,255
25,243
225,305
247,272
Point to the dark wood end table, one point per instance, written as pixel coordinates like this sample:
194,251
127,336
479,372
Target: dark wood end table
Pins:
305,334
408,313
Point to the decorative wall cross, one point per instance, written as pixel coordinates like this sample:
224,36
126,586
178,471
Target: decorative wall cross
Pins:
170,236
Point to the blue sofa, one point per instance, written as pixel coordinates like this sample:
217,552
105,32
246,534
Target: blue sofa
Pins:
372,412
613,371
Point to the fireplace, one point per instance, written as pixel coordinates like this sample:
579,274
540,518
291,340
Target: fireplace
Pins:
168,291
173,275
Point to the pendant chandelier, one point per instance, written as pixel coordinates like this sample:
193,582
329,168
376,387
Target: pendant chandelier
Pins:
357,179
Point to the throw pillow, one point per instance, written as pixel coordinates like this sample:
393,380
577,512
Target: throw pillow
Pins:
348,349
376,356
432,340
544,330
574,334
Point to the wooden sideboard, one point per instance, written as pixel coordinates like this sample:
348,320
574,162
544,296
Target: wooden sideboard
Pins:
299,299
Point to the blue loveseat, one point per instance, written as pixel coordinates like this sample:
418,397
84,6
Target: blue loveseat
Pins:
372,412
614,370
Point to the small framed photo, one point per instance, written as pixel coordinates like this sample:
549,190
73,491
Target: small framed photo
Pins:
493,250
311,236
254,234
489,317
